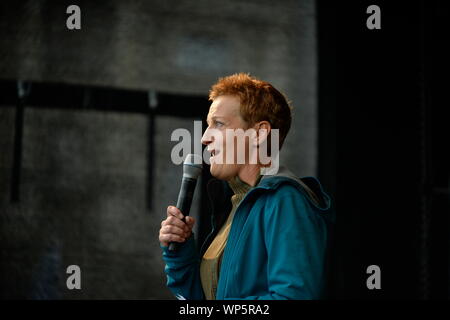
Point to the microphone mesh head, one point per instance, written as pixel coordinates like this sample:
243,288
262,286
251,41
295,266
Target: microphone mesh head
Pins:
192,166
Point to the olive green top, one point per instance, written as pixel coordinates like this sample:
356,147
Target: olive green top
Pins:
210,265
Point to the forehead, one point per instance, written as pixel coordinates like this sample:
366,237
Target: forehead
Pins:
225,107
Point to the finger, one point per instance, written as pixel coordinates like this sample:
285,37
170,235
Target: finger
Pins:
162,242
161,239
172,221
170,229
171,238
190,221
174,211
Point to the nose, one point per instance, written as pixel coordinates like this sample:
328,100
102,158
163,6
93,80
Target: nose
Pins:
207,137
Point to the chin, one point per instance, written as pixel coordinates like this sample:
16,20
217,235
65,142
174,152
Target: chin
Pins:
216,172
221,172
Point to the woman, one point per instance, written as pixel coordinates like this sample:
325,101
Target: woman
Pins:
270,231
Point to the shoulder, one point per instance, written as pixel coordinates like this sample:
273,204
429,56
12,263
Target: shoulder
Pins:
278,188
307,189
284,200
292,199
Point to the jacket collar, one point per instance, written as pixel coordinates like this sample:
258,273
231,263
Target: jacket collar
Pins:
220,192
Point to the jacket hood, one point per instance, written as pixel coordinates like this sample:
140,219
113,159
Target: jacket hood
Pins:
310,186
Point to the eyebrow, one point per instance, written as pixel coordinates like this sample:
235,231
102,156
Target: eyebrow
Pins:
214,118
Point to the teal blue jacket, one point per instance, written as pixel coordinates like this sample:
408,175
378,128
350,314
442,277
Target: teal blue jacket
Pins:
277,247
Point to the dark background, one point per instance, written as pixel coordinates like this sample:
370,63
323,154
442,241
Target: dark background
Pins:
386,90
85,156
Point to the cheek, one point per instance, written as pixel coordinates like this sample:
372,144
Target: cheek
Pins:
219,140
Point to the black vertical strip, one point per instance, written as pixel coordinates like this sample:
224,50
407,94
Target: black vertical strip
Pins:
327,133
437,158
327,113
18,138
424,163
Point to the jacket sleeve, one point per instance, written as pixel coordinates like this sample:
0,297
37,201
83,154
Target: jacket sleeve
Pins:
183,272
295,239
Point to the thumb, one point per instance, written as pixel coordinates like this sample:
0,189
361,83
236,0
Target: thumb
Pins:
190,221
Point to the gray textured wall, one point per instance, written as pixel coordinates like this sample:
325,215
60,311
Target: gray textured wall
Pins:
84,172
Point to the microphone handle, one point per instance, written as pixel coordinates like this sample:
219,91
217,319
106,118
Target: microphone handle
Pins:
184,202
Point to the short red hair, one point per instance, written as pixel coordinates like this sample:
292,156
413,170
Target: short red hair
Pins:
259,101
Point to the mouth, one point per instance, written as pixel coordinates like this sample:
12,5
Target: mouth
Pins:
213,153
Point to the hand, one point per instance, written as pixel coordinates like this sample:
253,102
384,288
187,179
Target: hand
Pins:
174,229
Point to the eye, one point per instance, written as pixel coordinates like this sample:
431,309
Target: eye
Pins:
218,124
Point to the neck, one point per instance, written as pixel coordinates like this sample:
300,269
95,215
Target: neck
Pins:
250,174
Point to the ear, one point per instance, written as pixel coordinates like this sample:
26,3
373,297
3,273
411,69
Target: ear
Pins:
262,131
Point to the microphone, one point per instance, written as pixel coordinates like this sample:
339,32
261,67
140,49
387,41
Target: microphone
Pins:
192,168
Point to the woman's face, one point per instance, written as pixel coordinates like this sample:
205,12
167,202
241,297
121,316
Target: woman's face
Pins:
224,114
